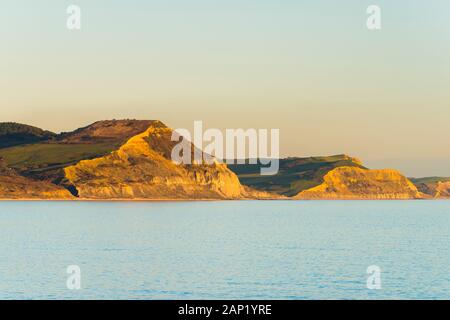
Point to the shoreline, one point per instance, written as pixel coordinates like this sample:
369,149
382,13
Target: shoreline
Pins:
204,200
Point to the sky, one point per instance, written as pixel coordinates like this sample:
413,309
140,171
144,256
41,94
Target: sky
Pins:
309,68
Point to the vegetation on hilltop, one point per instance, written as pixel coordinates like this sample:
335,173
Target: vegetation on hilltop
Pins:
41,156
107,131
14,134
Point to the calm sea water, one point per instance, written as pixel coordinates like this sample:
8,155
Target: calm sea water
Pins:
225,250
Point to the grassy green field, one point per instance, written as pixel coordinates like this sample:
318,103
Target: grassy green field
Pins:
295,174
43,156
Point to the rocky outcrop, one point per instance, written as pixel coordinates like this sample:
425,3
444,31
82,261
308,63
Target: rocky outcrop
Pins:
358,183
142,169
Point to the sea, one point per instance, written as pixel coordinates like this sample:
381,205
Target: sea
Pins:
261,250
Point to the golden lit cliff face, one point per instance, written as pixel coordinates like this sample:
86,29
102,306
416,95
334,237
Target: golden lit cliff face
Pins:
357,183
142,169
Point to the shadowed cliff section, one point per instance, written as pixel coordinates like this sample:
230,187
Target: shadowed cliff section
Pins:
142,169
14,186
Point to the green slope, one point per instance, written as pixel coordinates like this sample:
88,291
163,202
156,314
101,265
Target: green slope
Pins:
47,155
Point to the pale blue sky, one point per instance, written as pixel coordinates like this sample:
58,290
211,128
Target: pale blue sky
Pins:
309,68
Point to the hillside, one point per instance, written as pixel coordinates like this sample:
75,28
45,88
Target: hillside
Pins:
295,174
334,177
117,159
131,159
14,186
45,160
435,187
142,169
14,134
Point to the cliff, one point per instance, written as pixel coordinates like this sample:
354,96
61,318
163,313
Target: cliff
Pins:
131,159
357,183
142,169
